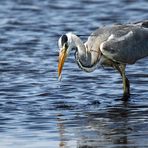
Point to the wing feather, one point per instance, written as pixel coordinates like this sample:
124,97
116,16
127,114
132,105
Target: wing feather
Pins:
127,48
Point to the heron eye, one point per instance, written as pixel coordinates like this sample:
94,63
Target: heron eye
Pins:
64,39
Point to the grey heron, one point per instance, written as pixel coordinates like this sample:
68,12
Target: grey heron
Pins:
114,46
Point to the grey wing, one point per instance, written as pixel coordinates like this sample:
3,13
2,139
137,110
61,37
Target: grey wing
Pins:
128,48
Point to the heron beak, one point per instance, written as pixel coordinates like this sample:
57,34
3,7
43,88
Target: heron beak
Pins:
62,58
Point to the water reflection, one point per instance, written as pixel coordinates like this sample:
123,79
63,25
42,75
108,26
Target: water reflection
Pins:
62,132
119,118
116,126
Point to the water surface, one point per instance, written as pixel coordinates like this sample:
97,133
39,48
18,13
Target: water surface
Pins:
83,110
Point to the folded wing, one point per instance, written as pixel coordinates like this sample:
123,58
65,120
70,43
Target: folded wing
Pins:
127,48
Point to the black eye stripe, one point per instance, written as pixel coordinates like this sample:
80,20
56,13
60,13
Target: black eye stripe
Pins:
64,39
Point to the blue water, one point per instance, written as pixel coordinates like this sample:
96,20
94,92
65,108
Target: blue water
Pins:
84,110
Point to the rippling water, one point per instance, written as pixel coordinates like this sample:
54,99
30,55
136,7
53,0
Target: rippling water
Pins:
83,110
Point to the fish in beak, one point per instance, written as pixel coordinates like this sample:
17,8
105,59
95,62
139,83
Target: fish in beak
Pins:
62,58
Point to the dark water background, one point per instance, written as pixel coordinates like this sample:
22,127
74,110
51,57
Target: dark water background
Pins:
83,110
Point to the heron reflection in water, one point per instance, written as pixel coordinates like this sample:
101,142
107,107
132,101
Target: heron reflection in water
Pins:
114,46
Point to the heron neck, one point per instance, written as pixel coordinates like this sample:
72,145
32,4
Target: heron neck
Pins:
81,51
85,59
77,42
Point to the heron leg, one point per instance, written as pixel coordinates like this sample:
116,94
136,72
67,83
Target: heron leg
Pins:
126,83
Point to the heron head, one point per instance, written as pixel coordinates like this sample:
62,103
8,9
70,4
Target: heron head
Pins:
64,47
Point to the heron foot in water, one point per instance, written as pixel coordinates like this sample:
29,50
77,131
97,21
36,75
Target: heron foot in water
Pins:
125,97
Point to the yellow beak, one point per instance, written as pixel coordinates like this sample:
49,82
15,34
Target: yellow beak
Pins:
62,58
